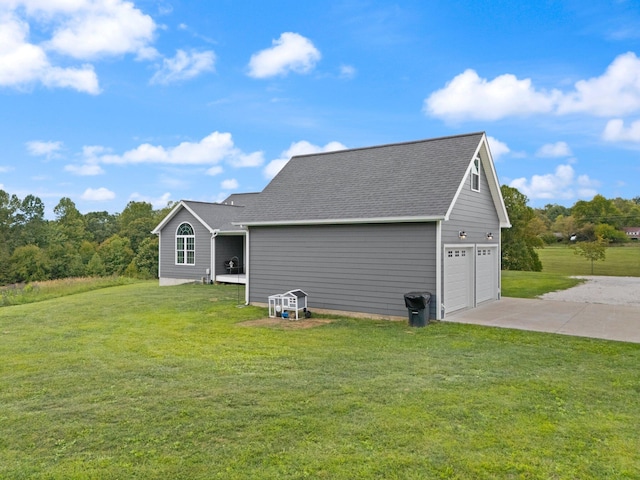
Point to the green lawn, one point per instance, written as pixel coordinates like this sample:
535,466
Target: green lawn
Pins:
533,284
559,263
620,261
139,381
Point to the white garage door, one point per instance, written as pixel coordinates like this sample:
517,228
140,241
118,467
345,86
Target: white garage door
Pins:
458,268
486,274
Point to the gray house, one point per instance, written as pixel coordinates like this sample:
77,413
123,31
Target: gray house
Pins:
198,243
357,229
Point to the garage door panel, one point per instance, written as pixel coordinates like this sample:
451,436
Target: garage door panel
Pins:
486,274
458,270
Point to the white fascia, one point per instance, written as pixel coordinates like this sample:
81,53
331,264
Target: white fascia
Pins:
342,221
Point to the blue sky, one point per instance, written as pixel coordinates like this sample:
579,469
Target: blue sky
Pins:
108,101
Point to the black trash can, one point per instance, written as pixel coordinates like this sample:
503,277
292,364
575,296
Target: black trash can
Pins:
417,304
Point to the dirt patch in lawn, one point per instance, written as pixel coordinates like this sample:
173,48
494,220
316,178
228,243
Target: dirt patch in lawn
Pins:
287,324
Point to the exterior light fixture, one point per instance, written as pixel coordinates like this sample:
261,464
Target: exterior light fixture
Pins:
462,235
489,236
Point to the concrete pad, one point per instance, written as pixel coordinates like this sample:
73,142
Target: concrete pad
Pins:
610,322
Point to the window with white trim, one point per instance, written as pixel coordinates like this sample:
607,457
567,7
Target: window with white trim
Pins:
475,175
185,245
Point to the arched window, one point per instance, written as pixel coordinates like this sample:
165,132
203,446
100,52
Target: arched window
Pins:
185,245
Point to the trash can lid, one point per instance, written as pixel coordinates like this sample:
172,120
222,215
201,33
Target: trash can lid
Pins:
414,295
417,299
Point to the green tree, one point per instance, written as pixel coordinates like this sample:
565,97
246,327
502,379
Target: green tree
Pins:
30,225
116,254
101,225
519,241
596,211
609,234
553,211
7,210
69,222
66,260
29,263
592,251
95,267
136,222
146,260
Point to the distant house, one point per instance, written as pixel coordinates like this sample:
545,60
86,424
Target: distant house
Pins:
632,232
198,242
357,229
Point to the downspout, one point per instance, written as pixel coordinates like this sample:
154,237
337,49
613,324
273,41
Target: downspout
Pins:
439,270
246,267
499,263
159,254
214,234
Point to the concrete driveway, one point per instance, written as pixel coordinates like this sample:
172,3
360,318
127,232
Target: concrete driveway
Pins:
619,319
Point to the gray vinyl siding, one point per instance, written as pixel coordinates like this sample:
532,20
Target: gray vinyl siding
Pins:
474,213
228,246
167,258
355,268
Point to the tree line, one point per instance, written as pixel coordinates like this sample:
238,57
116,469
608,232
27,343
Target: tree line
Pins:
596,221
33,248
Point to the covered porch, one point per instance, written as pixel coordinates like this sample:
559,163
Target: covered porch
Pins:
234,278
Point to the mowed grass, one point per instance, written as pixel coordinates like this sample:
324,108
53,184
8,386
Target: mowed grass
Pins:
139,381
560,263
533,284
619,261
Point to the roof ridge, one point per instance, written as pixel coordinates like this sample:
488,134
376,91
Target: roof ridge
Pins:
393,144
210,203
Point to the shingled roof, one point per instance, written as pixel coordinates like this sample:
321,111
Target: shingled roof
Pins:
241,199
398,181
214,216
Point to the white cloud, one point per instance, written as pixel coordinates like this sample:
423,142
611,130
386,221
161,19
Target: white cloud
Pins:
254,159
347,72
157,202
229,184
184,66
274,166
86,170
562,184
38,148
211,150
615,131
497,147
470,97
616,92
554,150
100,28
78,29
215,170
298,148
98,194
290,53
22,63
92,152
4,169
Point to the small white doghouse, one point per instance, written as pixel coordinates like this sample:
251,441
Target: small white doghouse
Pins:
293,301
